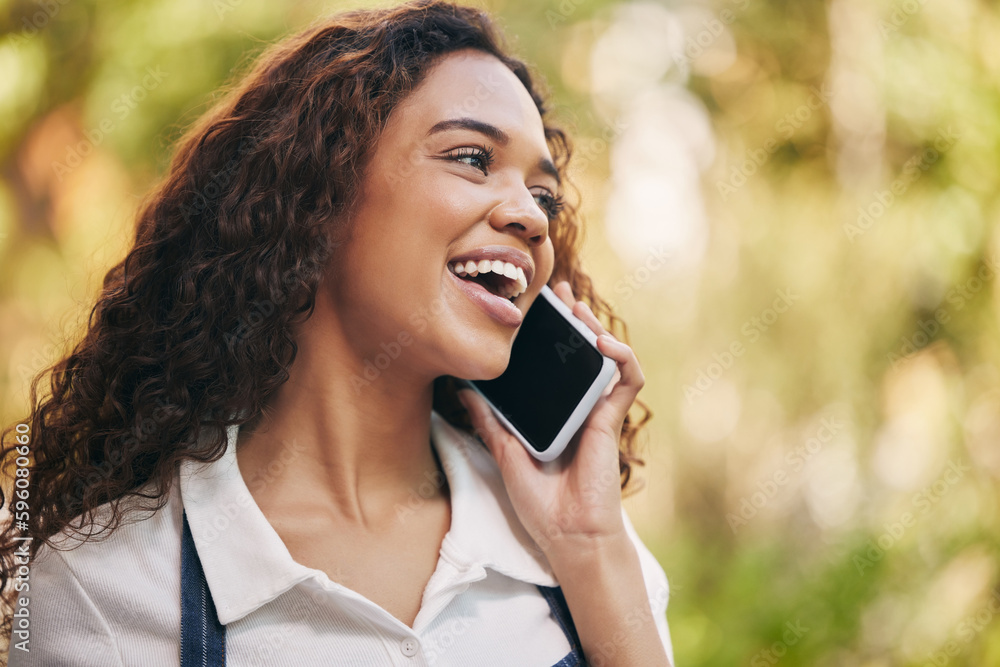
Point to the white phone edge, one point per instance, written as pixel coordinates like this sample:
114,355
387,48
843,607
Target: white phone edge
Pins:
586,404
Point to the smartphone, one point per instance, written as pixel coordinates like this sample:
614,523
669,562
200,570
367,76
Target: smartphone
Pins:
553,380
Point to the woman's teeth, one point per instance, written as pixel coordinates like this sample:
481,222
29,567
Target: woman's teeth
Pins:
508,290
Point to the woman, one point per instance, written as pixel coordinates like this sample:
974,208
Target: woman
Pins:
221,465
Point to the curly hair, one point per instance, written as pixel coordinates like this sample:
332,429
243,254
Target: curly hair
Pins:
192,330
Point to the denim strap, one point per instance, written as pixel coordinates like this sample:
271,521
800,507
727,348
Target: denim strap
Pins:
560,610
203,638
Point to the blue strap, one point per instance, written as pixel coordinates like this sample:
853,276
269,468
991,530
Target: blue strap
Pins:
560,610
203,638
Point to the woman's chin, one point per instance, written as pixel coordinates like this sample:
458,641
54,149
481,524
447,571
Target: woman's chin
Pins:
484,368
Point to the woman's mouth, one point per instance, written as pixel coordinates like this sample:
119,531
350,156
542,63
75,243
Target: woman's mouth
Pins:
494,277
503,279
500,308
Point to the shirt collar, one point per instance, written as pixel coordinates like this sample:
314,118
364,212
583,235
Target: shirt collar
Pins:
485,529
247,565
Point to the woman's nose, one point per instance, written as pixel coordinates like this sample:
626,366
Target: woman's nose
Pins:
520,214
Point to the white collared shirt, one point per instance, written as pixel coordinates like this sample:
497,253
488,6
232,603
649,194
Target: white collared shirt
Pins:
116,601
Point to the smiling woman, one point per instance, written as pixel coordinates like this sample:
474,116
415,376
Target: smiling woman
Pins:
255,502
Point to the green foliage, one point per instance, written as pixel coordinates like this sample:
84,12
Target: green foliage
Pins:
856,157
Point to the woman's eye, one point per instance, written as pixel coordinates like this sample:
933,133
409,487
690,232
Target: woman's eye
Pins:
478,157
549,203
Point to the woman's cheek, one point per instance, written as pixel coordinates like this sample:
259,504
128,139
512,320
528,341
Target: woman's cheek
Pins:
545,262
454,201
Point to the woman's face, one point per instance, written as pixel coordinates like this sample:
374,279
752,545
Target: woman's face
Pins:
462,176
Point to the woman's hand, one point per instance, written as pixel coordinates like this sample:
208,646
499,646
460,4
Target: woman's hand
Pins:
572,509
574,502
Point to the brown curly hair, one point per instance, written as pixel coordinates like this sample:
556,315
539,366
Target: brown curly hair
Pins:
192,329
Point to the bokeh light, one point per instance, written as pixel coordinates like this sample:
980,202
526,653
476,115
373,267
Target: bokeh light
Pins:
794,208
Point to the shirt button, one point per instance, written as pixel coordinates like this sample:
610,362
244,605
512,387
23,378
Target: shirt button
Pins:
409,647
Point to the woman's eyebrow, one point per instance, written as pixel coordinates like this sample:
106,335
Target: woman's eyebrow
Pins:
493,132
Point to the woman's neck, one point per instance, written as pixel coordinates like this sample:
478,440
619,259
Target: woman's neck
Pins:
339,441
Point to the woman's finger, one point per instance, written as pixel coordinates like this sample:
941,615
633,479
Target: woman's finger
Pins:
563,290
613,383
587,316
502,445
622,355
631,380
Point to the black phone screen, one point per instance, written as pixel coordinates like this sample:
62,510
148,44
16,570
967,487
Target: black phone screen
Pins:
551,368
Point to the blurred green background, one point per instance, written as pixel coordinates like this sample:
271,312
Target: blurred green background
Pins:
793,206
